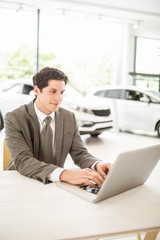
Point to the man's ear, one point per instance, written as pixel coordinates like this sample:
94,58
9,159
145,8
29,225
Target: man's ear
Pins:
36,90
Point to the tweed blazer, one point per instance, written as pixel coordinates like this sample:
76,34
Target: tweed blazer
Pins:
23,140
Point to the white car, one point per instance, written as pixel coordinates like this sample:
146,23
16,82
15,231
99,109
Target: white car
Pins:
133,108
93,117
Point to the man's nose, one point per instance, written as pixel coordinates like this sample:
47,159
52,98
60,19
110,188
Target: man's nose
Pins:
58,97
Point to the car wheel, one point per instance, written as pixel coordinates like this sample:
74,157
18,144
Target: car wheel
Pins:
1,121
158,128
95,134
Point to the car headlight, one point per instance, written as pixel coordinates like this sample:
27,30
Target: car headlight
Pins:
85,110
82,123
78,108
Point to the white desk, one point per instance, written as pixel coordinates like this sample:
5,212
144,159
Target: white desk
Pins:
30,210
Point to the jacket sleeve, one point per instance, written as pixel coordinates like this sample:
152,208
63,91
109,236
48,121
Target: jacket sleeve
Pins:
73,144
80,154
20,144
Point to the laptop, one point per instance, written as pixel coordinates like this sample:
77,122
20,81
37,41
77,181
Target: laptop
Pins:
131,169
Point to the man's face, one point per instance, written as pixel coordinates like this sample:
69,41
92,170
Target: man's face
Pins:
48,100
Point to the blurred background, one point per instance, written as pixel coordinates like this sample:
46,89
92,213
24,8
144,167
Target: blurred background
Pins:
109,49
95,42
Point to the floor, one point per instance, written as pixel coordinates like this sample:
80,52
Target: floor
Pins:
109,144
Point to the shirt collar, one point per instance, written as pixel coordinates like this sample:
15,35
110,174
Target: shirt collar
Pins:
41,116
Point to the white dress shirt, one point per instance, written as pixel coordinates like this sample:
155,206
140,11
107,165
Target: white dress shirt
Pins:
53,176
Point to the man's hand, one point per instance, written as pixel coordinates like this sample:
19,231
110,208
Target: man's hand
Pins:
83,176
103,169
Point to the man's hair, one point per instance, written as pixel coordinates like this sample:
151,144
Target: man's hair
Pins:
42,77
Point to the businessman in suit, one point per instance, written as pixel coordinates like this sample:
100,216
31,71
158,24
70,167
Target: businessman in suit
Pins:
23,127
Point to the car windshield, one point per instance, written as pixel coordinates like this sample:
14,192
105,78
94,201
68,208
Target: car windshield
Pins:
9,87
71,92
155,93
19,86
154,96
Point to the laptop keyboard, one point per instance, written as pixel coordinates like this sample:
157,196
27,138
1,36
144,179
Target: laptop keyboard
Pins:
90,189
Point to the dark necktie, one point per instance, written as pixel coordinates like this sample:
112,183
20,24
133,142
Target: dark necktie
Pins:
46,151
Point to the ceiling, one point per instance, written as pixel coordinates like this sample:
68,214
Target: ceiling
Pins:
145,12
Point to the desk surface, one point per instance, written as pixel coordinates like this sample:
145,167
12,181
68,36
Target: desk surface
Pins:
31,210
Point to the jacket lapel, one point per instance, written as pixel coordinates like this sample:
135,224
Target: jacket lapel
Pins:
58,135
34,128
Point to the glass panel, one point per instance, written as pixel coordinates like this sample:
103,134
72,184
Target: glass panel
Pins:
114,93
80,47
148,56
18,43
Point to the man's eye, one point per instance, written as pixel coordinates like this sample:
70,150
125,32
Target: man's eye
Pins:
53,91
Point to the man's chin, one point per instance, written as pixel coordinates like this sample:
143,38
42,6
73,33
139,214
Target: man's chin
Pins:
55,109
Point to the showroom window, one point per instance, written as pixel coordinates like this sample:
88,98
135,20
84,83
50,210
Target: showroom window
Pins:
83,47
148,56
146,72
18,43
86,47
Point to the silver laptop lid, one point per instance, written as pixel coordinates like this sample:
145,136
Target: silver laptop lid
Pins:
131,169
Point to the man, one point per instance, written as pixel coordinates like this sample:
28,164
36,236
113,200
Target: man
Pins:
24,127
